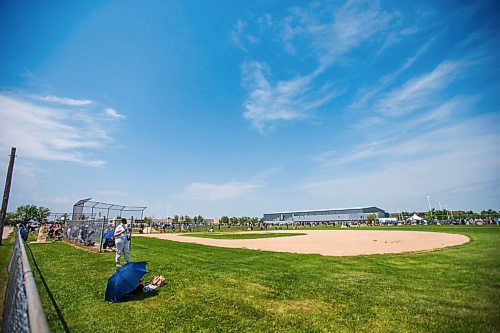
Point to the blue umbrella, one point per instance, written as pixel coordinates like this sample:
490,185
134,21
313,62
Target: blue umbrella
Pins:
109,234
125,280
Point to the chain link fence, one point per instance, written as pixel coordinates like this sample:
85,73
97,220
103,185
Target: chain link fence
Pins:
85,233
23,310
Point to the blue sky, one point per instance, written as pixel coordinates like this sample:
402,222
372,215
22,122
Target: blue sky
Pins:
241,108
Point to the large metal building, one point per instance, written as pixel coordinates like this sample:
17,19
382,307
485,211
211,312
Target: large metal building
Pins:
328,215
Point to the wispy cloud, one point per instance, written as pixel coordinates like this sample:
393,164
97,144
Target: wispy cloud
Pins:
268,102
218,192
63,100
47,132
329,33
237,36
366,95
225,192
418,164
396,36
416,135
334,31
419,91
113,114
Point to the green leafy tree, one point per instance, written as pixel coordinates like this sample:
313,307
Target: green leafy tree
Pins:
175,219
200,219
489,213
63,218
26,213
431,215
10,218
471,215
405,215
371,218
224,219
234,220
41,214
187,219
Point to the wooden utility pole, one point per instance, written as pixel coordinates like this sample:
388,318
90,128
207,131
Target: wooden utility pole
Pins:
6,191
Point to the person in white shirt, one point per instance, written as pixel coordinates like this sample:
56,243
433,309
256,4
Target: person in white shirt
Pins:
122,242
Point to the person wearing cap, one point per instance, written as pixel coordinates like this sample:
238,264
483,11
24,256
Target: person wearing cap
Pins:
122,242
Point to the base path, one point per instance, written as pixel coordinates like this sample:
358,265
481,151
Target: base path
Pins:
334,242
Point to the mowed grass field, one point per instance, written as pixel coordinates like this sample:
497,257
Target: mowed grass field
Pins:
210,289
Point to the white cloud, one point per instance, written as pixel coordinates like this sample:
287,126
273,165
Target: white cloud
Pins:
448,161
347,27
236,35
64,100
218,192
396,36
415,135
202,192
50,133
113,114
367,95
419,92
268,103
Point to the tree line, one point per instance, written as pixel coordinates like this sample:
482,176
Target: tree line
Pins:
443,214
26,214
241,220
187,219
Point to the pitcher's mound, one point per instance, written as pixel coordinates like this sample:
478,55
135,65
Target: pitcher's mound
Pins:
335,242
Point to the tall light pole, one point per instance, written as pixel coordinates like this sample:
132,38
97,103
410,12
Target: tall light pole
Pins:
429,202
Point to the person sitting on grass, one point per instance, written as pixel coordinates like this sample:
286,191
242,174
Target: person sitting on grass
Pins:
155,283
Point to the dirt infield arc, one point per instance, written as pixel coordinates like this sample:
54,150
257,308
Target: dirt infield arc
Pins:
335,242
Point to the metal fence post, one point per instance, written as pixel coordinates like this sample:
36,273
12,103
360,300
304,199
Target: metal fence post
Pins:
102,234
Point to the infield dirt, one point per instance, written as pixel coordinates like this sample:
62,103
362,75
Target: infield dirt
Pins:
334,242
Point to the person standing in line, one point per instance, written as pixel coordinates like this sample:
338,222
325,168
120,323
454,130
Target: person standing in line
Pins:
122,242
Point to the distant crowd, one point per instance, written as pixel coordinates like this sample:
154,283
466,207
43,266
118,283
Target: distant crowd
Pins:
54,231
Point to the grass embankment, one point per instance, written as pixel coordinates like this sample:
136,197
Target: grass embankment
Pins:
242,235
233,290
5,252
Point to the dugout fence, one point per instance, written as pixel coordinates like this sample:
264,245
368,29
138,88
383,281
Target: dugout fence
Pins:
91,220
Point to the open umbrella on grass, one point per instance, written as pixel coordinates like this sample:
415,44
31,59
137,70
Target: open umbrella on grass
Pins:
125,280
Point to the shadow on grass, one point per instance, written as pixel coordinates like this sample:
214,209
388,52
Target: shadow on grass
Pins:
138,297
52,300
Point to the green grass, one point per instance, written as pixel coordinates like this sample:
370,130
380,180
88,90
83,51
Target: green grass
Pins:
241,236
212,289
5,252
